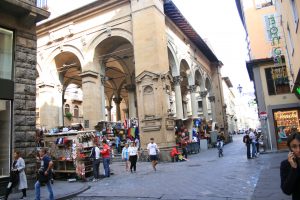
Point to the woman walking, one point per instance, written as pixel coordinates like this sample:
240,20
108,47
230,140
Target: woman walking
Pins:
133,156
17,175
125,156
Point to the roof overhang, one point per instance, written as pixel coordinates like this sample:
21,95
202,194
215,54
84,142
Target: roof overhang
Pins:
227,81
256,63
175,15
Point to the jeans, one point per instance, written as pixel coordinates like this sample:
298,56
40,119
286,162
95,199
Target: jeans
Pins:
106,166
248,151
96,164
253,149
37,187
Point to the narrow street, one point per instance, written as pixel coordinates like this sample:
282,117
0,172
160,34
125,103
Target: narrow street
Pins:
204,176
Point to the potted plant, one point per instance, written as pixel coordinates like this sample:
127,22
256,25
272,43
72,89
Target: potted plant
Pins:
69,116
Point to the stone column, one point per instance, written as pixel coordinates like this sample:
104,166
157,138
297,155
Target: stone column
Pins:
178,97
213,111
185,107
60,102
108,108
131,100
49,110
92,102
194,101
204,104
117,101
102,95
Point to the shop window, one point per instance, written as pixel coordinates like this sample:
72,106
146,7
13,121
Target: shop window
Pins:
5,135
67,108
277,80
6,54
286,122
263,3
76,111
295,12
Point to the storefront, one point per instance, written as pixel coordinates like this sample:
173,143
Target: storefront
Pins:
286,121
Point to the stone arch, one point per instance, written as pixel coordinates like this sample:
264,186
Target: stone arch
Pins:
208,84
94,42
186,72
173,61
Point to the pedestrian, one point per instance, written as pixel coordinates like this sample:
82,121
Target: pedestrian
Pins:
153,150
290,168
17,176
247,141
118,143
253,142
137,143
95,155
133,156
44,174
125,156
105,152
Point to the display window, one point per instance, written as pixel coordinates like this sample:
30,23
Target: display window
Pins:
286,122
5,135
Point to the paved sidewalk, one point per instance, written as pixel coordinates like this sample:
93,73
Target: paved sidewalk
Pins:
61,190
268,185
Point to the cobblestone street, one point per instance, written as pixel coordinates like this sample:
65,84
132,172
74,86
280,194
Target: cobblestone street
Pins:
204,176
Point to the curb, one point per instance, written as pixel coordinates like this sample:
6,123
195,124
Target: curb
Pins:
70,195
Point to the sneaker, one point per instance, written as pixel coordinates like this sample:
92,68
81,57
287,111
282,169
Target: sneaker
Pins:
95,180
23,197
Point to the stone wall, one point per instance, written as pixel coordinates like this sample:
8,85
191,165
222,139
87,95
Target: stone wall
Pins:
25,97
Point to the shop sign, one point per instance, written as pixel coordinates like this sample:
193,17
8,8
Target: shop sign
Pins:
279,75
263,115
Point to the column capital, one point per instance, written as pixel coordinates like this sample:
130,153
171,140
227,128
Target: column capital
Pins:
211,98
130,87
89,74
203,94
192,88
117,100
177,80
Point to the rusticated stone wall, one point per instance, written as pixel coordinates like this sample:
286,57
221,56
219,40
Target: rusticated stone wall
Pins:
25,97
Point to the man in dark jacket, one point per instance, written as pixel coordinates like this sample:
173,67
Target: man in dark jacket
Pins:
247,141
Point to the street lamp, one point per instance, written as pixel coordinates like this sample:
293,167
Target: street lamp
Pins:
240,88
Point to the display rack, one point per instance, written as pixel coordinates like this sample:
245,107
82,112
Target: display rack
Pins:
69,151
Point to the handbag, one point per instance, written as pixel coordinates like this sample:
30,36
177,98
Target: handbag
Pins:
14,176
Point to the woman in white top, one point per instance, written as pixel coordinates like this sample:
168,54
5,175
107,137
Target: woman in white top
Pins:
133,156
18,169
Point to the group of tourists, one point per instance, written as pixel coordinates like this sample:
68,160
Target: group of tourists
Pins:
253,141
130,154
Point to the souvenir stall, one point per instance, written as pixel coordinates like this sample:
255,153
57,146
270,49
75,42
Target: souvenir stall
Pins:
70,152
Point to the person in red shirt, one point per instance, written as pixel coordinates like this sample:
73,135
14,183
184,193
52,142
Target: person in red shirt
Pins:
105,152
174,154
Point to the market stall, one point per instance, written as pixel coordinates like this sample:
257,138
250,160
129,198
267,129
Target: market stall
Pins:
70,152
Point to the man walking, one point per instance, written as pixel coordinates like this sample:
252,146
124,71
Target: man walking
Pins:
152,152
105,152
95,155
247,141
44,173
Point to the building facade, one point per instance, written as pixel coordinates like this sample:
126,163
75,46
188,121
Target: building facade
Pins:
17,82
141,58
269,69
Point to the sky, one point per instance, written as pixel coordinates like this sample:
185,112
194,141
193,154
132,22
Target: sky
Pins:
216,21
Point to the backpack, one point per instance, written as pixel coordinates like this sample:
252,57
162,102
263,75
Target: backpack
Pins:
93,154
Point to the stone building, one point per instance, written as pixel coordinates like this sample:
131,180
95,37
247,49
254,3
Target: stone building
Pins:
141,58
271,65
17,81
